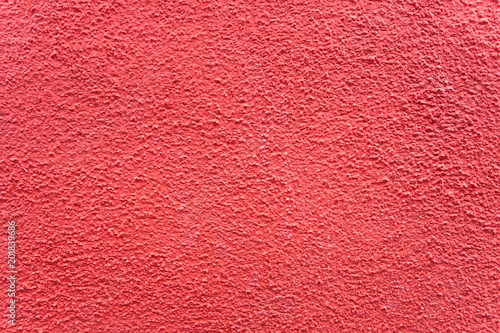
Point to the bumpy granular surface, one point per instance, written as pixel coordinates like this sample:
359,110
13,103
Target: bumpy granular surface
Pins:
251,166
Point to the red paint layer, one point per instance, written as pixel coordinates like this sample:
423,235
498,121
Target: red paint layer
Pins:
235,166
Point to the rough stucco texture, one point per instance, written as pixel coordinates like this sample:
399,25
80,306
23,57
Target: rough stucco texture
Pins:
251,166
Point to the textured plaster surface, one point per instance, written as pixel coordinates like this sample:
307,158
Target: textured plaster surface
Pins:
251,166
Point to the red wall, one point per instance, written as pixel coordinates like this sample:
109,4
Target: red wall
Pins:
251,166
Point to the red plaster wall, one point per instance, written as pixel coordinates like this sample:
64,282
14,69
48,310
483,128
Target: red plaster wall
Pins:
251,166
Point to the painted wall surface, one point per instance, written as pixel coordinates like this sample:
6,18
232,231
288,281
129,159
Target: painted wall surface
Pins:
251,166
